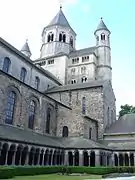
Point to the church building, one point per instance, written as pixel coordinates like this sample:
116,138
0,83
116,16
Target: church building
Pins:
60,109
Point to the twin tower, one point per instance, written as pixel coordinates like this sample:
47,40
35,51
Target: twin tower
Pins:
59,40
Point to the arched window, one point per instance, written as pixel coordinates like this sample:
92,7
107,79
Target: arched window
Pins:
48,121
83,70
60,37
52,36
73,71
83,105
90,133
102,36
32,110
10,107
64,38
23,74
65,131
71,42
108,116
84,79
48,38
73,81
6,64
37,82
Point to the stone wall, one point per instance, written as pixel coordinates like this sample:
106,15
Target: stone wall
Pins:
18,62
75,119
24,95
109,105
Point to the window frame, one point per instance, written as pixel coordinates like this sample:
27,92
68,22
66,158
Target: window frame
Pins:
23,72
6,65
32,114
11,101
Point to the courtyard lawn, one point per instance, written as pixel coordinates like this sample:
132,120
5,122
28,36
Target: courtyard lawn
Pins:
56,177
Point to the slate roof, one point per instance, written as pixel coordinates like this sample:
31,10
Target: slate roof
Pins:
82,52
81,143
60,19
119,144
27,59
126,124
102,26
26,48
90,84
27,136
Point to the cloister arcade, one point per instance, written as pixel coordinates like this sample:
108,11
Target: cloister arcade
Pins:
124,159
20,154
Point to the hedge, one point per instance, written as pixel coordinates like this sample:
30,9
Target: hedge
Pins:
10,172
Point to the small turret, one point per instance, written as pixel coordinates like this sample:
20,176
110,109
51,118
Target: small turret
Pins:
26,50
102,35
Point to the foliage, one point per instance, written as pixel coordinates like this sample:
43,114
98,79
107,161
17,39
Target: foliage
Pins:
7,172
126,109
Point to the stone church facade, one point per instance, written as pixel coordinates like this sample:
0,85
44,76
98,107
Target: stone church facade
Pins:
60,109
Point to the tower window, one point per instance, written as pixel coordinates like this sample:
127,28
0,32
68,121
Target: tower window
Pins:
73,81
51,61
50,37
60,37
84,79
73,71
103,37
71,42
83,70
64,38
75,60
85,59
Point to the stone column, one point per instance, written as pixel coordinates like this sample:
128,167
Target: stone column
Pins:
97,157
13,158
27,158
80,158
66,162
43,157
38,161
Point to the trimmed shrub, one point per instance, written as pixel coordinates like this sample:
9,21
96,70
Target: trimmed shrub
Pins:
10,172
7,173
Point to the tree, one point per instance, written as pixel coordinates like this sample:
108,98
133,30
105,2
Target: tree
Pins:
126,109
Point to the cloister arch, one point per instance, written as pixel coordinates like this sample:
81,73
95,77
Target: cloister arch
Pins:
85,158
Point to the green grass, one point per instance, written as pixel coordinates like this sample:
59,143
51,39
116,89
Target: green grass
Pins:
57,177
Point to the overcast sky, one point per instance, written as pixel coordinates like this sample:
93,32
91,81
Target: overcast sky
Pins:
25,19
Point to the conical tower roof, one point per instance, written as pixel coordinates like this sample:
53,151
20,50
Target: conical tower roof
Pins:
60,19
101,26
25,49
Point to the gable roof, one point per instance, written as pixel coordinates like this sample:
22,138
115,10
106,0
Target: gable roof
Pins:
72,87
126,124
82,52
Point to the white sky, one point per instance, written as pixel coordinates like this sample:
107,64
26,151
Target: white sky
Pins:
22,19
25,19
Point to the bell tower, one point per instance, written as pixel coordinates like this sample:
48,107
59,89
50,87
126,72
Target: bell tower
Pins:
58,37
